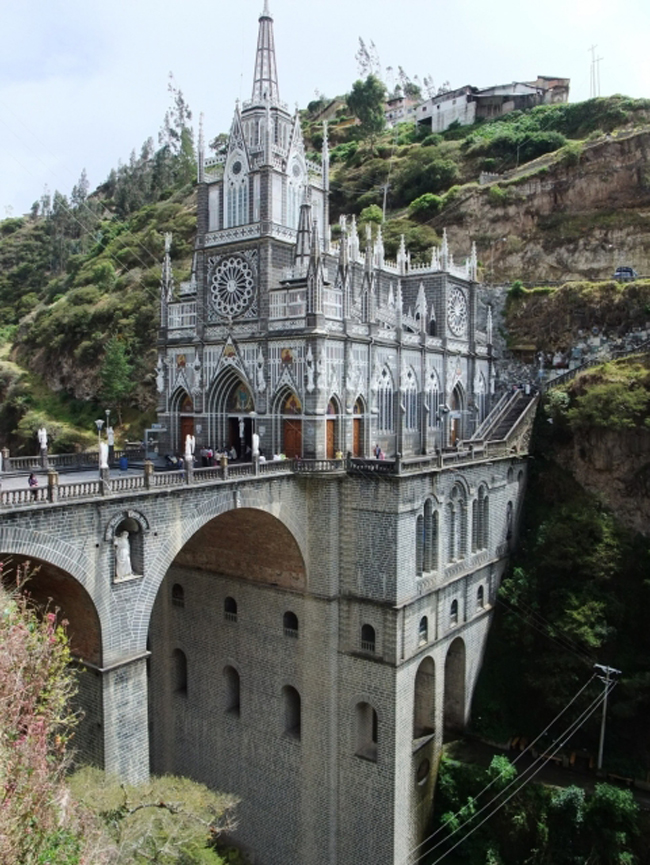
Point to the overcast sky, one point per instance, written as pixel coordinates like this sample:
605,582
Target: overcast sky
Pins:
83,82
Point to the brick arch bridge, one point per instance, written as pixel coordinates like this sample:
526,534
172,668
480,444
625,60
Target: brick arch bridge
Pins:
183,684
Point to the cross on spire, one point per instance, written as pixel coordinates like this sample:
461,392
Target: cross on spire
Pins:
265,80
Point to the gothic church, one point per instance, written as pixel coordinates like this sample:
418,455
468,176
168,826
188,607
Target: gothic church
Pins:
316,681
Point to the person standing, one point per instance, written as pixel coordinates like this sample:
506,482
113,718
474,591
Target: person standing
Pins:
33,485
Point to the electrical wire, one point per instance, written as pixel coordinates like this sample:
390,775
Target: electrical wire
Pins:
516,760
584,717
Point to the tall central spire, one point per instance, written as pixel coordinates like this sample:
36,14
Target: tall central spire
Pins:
265,82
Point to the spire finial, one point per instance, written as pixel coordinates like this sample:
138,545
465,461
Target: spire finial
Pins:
265,79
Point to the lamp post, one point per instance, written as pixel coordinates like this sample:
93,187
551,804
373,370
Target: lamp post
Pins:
108,419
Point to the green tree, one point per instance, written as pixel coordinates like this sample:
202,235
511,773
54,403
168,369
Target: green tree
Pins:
366,102
115,376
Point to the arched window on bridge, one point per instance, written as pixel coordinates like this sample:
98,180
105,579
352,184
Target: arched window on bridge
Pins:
366,732
231,685
179,671
178,595
423,631
453,614
292,719
290,624
367,638
230,610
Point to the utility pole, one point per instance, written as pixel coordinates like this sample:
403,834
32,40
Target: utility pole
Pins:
385,187
592,75
606,680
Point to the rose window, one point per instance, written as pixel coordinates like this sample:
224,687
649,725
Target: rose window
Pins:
232,286
457,312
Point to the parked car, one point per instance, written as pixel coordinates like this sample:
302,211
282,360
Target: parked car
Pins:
625,274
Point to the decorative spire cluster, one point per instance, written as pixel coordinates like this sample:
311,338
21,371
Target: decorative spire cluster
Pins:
265,79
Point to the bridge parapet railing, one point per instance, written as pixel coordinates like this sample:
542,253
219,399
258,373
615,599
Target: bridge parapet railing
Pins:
311,466
80,489
168,479
11,498
125,484
276,467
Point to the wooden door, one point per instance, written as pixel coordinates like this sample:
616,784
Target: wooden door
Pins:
357,449
187,429
293,439
454,425
331,439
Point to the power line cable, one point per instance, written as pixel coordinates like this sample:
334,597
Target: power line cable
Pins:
584,717
517,758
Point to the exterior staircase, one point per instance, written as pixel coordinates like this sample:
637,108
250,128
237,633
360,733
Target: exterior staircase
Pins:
506,418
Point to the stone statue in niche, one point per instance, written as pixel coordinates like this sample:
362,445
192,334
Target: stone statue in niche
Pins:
190,444
123,566
42,438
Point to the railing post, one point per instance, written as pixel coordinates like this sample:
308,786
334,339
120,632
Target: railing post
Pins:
5,459
256,464
398,463
224,467
148,474
52,485
189,470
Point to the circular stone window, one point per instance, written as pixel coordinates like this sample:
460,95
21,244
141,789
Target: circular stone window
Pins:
457,312
232,286
296,169
236,168
423,771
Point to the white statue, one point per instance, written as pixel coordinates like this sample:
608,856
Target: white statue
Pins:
190,444
103,455
160,375
42,438
256,445
241,427
310,370
122,546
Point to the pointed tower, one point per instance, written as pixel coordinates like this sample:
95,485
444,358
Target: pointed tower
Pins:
265,79
325,163
304,240
402,257
444,251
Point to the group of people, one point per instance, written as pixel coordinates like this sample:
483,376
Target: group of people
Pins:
209,457
378,452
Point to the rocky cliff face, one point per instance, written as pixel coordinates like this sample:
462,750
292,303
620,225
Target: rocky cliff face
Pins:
615,467
576,215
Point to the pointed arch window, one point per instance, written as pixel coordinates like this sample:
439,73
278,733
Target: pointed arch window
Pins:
236,193
411,420
385,406
433,399
423,631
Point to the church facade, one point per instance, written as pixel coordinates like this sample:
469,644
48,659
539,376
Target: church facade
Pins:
316,681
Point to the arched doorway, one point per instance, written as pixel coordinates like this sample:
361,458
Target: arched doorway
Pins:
357,429
292,426
230,408
240,425
332,429
454,702
55,590
186,418
457,404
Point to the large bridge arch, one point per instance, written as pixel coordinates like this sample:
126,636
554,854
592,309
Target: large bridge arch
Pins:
53,589
223,604
184,527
